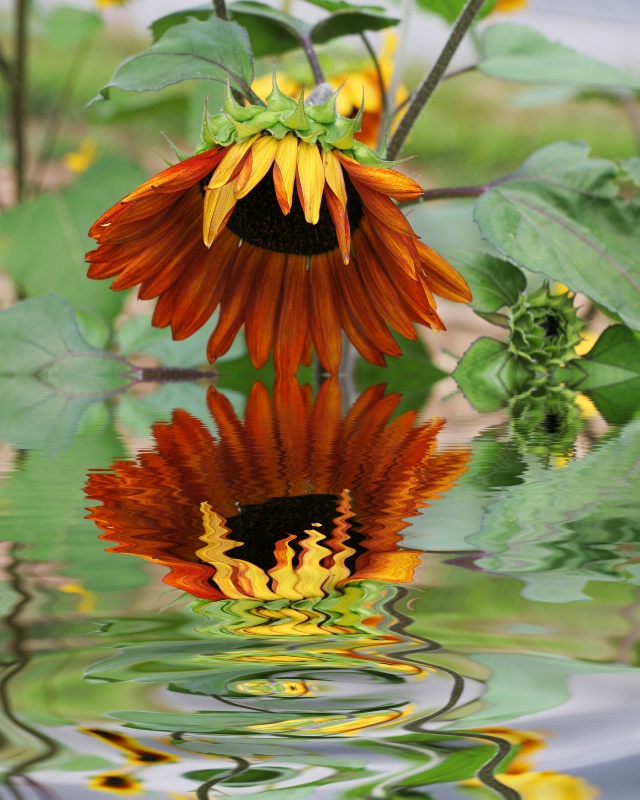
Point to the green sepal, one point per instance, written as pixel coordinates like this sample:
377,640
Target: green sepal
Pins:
246,129
176,151
278,100
365,155
325,113
298,120
235,111
218,130
343,135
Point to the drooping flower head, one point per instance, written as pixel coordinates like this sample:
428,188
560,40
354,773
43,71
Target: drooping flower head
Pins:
292,503
288,225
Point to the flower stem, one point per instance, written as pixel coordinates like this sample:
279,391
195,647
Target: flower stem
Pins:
462,25
18,94
220,8
312,58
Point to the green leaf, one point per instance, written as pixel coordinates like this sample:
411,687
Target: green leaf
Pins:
271,31
43,241
348,22
341,5
40,337
137,335
160,26
67,27
450,9
489,374
558,214
518,53
494,283
631,168
211,49
610,374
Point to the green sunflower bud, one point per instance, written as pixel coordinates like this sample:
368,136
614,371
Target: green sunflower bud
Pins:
544,328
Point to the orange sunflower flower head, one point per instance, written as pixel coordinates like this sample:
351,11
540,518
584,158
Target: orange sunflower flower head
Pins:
287,224
284,511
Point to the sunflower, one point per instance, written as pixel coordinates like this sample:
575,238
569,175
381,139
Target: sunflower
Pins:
288,225
294,502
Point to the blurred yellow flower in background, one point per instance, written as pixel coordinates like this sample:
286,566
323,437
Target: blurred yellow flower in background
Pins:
505,6
549,785
82,158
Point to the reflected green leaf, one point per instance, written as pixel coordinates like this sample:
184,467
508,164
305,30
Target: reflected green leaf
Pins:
580,535
558,214
43,241
518,53
489,374
494,283
211,49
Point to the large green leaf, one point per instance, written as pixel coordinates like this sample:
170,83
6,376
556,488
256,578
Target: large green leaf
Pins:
489,374
610,374
212,49
40,338
518,53
494,283
272,31
558,214
350,21
43,241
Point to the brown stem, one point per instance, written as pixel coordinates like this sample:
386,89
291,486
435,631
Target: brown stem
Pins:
220,7
19,94
630,108
428,86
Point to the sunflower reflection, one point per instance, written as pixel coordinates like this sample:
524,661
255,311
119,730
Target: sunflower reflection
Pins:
296,502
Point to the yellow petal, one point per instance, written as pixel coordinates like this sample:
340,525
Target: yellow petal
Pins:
217,205
310,174
284,173
262,154
335,178
229,163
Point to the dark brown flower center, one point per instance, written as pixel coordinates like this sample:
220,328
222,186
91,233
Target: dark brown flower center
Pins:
261,526
258,220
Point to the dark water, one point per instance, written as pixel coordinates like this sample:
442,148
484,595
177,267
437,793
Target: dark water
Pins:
300,594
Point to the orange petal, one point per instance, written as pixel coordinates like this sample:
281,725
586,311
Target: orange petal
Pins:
384,210
293,317
399,251
324,316
310,180
262,307
380,179
382,291
232,308
341,223
443,279
200,289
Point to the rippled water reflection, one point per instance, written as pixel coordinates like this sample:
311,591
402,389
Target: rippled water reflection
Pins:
330,599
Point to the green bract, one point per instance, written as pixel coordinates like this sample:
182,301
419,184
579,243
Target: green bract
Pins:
312,122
